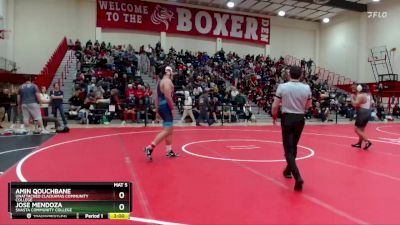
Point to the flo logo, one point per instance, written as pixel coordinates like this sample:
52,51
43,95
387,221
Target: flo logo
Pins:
162,15
377,15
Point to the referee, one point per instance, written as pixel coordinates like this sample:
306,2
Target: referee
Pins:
295,98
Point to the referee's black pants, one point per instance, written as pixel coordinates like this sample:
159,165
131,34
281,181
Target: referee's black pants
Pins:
292,126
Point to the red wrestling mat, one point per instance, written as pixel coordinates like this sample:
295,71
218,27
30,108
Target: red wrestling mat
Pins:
228,175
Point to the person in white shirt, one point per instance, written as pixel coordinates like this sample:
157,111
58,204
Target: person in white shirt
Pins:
44,101
234,93
247,112
188,107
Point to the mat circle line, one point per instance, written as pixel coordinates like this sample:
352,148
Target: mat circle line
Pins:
184,148
387,132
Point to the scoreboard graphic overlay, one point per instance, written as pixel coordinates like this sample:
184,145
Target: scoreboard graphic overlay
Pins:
73,200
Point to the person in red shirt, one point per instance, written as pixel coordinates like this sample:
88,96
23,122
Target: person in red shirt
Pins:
130,92
129,112
140,92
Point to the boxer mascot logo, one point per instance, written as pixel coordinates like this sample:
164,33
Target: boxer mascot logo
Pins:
162,15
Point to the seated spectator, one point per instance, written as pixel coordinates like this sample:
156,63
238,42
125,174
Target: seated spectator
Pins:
247,112
380,111
88,104
129,112
148,93
99,92
152,113
197,91
234,93
130,95
226,109
130,92
76,104
46,119
214,103
140,95
91,88
240,100
116,102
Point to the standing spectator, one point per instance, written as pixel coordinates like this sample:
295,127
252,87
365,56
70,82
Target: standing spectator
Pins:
236,73
44,101
204,105
396,110
15,112
28,100
57,97
187,107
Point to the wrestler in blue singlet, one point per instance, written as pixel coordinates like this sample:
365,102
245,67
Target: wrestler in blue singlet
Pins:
163,109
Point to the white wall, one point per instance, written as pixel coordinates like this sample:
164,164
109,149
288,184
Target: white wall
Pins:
41,24
242,48
339,45
292,41
191,43
125,37
3,7
385,31
346,41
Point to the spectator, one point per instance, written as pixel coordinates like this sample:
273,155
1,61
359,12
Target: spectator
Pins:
214,103
15,112
396,110
204,105
226,108
187,107
116,103
57,97
44,101
247,112
148,93
5,104
234,93
140,95
129,112
76,104
380,111
83,113
99,93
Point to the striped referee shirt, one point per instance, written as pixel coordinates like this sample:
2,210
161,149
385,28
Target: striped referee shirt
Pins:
294,96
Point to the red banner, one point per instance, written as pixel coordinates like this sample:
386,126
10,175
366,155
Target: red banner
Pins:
148,16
